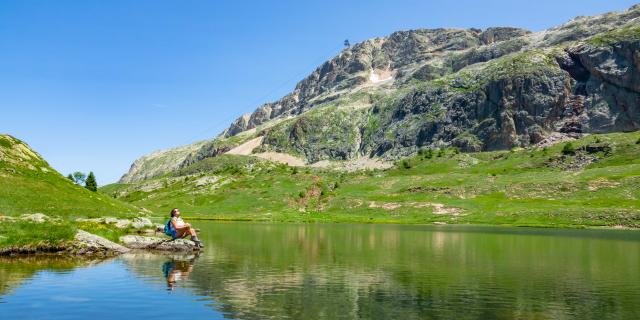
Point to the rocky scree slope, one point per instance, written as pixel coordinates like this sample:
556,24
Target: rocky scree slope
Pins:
476,90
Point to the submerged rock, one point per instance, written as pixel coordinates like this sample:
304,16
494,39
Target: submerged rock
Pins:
157,243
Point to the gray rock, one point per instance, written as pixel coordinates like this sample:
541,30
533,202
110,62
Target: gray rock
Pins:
91,243
157,243
36,217
93,220
138,222
141,222
122,223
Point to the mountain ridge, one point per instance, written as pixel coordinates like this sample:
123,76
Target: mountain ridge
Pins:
497,88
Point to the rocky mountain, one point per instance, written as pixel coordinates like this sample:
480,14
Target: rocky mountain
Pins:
477,90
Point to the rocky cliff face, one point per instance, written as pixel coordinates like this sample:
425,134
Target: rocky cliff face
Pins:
160,162
372,61
474,89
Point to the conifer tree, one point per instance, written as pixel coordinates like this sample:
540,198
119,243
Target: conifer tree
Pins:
91,183
70,177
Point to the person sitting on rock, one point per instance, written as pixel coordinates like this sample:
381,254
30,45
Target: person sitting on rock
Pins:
183,229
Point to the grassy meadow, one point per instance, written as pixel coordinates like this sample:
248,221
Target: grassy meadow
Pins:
29,185
596,184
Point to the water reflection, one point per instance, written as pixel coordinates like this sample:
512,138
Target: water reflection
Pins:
256,271
177,269
18,269
329,271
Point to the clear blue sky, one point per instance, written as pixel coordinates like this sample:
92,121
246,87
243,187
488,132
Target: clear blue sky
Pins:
93,84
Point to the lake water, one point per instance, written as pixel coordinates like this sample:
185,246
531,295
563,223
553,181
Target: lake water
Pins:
335,271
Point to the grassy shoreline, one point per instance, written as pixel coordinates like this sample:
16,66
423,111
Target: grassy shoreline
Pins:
59,239
400,222
595,185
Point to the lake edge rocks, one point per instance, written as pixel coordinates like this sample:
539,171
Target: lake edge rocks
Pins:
87,244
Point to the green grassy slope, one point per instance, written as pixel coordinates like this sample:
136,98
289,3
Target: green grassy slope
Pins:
533,187
30,185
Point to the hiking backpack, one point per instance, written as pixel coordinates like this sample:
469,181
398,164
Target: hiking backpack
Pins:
169,229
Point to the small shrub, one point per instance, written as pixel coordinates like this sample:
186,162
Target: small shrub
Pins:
568,148
406,164
336,185
441,153
301,194
638,141
428,154
295,170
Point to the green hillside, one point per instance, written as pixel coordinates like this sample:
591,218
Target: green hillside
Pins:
594,181
30,185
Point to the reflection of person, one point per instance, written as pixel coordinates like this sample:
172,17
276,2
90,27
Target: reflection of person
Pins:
183,229
176,270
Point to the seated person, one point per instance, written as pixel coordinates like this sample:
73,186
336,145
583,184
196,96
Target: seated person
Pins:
183,229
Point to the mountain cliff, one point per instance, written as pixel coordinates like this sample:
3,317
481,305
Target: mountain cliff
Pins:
477,90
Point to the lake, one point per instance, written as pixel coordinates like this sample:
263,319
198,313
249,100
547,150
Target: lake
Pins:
340,271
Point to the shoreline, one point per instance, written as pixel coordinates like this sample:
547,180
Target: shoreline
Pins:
78,248
398,222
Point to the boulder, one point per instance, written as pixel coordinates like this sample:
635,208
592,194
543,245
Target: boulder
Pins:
122,223
36,217
138,223
91,243
157,243
141,222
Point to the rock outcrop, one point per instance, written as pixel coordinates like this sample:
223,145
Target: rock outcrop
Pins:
136,223
156,243
87,243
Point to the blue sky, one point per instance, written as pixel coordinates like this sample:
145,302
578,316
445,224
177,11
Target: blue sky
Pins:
94,85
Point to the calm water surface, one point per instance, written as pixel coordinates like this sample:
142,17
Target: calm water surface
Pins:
258,271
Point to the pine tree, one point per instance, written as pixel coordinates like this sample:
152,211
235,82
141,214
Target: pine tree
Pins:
70,177
91,183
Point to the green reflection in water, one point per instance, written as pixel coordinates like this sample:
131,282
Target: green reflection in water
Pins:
15,270
256,271
412,272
